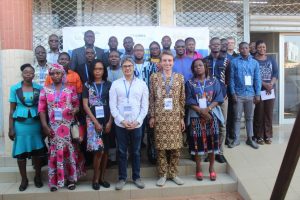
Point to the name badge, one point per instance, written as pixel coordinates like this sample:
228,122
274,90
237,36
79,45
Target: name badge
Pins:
57,114
168,103
99,110
127,112
248,80
202,103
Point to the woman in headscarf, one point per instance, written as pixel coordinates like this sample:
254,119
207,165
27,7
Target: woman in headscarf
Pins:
61,103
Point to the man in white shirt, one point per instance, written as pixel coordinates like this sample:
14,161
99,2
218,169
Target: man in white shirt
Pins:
128,101
53,53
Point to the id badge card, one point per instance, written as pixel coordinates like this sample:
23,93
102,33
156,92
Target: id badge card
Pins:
99,110
57,114
127,112
202,103
168,103
248,80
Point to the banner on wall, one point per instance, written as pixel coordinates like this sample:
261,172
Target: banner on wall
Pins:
73,36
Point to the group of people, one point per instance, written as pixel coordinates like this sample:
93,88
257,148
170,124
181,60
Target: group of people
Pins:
118,97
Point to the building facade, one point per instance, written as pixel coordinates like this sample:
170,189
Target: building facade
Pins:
25,24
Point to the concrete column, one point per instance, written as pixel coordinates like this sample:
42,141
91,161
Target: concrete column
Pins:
16,49
167,12
246,12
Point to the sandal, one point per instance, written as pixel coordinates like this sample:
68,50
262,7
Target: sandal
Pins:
260,141
212,176
38,182
199,176
23,185
71,186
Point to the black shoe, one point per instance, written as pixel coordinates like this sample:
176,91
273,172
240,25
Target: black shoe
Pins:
23,186
96,186
206,159
220,158
104,184
38,182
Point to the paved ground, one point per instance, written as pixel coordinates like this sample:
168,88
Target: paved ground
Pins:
216,196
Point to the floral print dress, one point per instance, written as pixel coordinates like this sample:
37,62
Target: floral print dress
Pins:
63,157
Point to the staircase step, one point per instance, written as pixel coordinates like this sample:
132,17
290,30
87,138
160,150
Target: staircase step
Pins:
186,167
224,183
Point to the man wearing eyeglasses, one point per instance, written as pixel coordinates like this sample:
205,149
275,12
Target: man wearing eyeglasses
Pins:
53,53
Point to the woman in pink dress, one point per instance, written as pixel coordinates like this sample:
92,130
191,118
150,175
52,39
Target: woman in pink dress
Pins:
61,103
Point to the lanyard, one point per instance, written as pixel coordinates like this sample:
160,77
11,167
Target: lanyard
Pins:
128,91
97,91
57,98
214,64
201,87
86,72
244,66
42,73
168,87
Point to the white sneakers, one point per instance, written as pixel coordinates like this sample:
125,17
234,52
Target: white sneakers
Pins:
162,180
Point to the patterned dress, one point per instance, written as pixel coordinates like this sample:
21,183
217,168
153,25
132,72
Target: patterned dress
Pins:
168,134
63,163
95,140
204,135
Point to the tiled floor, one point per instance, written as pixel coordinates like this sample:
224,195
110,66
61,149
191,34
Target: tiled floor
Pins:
257,170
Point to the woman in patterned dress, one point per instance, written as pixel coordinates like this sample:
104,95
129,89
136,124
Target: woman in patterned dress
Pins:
61,103
167,99
98,120
202,96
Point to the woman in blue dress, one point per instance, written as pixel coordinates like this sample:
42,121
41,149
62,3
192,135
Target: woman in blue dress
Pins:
24,125
203,94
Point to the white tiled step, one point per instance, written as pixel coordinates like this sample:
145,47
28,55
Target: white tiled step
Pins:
83,191
186,167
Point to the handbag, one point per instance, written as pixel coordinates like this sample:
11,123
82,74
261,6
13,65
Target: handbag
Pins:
77,130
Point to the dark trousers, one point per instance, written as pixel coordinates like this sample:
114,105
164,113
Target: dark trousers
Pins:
263,117
124,139
230,136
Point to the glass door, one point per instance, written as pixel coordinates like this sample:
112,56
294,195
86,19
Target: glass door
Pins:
289,77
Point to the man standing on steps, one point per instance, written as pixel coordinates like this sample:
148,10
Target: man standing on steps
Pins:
218,68
78,55
128,44
245,86
182,63
166,43
83,70
113,46
41,68
128,102
53,53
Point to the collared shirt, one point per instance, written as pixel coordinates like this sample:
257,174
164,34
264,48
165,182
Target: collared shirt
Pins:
183,67
138,99
113,75
40,74
73,79
240,68
52,57
144,71
219,69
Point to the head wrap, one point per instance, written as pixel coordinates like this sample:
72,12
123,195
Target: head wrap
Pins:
59,68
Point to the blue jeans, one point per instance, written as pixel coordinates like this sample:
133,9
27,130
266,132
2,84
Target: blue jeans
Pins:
243,104
124,138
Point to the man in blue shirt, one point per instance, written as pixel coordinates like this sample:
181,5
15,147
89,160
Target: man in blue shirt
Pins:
182,63
245,86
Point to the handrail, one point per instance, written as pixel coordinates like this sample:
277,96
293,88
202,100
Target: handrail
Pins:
289,163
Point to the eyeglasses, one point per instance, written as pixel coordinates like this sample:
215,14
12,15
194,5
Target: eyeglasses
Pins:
154,48
127,66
